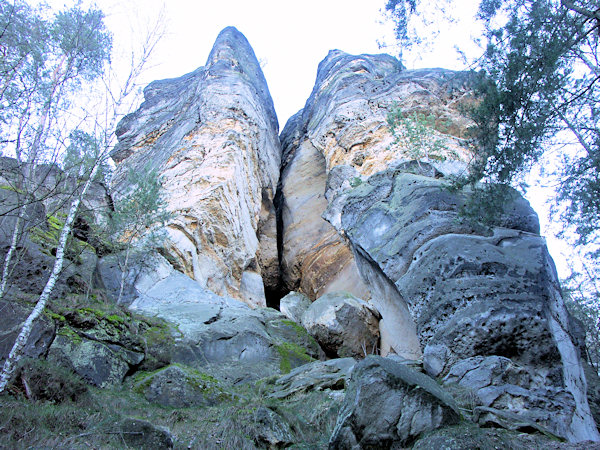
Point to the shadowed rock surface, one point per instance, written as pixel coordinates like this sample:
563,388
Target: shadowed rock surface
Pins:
389,405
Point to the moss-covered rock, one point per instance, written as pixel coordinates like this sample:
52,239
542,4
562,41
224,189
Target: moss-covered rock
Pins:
292,355
42,380
179,386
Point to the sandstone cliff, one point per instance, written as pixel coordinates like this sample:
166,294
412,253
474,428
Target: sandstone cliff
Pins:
447,290
409,327
212,134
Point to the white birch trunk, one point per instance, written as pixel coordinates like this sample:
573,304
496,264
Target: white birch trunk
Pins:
17,349
11,250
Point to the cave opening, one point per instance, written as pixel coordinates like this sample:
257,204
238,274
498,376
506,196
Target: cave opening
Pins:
274,294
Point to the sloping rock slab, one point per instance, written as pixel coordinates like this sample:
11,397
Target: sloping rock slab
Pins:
221,335
389,405
317,376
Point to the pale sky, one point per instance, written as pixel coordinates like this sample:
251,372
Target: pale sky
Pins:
290,38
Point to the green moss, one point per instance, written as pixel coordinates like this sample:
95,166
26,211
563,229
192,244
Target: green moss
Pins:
48,238
69,333
7,187
288,352
299,329
96,312
55,316
355,182
115,319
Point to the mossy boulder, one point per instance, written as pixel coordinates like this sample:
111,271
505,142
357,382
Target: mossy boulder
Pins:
179,386
100,346
99,363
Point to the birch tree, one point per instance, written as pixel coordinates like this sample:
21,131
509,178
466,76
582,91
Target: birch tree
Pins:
80,47
40,73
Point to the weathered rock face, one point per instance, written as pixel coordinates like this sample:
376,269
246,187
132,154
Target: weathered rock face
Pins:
447,290
340,136
475,308
212,134
469,293
389,405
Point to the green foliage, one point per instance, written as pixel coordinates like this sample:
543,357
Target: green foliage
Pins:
141,209
44,60
485,203
137,218
415,134
539,87
582,299
83,151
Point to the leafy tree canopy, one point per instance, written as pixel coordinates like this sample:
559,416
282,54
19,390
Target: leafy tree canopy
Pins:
540,89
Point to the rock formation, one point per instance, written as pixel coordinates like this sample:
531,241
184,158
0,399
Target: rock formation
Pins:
212,135
471,335
358,212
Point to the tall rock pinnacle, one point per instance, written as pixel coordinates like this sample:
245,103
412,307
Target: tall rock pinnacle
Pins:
212,135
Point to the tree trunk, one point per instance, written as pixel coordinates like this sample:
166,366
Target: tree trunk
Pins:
11,250
17,349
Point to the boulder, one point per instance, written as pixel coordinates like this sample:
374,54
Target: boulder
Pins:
293,305
389,405
212,136
101,349
343,325
179,387
142,434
